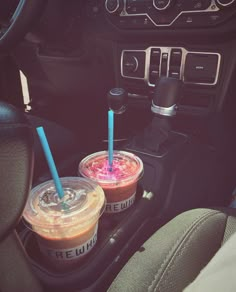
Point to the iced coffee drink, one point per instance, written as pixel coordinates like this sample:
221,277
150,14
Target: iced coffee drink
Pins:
66,228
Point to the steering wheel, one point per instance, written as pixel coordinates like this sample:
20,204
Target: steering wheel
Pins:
13,30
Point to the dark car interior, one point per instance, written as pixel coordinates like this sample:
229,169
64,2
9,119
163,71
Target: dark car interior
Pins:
174,64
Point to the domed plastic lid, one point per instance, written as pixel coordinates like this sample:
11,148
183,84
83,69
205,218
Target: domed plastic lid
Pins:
83,200
126,168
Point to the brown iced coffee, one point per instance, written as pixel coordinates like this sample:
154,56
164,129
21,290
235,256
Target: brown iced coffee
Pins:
66,228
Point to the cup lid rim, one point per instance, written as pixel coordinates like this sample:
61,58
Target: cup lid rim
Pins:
95,203
112,181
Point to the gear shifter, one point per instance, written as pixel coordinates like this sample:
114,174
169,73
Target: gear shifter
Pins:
166,95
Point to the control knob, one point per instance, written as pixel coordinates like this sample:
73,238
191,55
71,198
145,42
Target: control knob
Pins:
114,6
225,3
130,64
162,4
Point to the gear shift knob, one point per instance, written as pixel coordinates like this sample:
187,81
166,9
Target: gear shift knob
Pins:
166,95
117,100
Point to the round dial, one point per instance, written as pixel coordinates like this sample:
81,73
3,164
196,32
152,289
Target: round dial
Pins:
225,3
131,64
113,6
162,4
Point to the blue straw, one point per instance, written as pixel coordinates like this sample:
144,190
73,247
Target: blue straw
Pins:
110,137
50,161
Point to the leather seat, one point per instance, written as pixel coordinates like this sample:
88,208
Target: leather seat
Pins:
173,257
16,169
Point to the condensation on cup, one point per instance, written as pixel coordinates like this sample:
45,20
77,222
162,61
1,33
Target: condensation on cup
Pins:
118,183
66,229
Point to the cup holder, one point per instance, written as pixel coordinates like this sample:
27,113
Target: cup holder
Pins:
114,233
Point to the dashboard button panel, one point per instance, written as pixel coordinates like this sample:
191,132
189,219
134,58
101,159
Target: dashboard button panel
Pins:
151,14
193,67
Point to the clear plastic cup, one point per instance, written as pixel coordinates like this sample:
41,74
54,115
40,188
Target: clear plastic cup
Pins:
66,229
120,183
